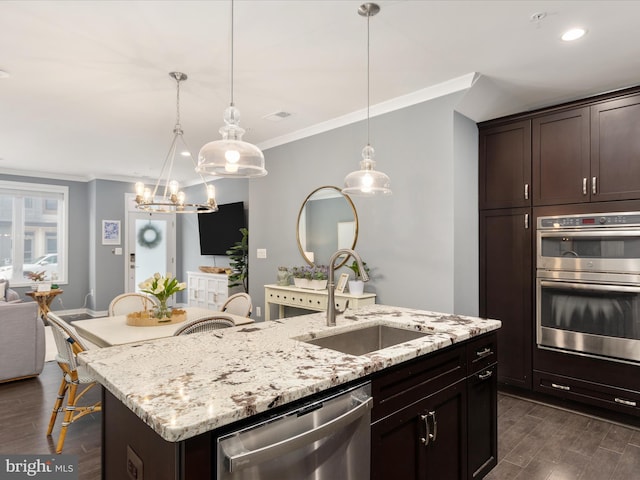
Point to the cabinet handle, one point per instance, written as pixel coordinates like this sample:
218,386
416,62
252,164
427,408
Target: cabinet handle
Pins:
628,403
594,190
429,437
526,220
584,186
485,375
560,387
526,191
434,437
484,352
425,440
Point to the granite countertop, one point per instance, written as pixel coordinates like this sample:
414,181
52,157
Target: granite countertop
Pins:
187,385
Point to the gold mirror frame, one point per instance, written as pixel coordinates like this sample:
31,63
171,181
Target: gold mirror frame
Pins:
300,213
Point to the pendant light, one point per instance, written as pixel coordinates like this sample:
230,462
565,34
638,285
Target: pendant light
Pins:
231,156
166,196
367,181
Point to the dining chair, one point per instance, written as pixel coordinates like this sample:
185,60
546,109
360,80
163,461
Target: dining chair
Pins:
238,304
73,375
205,324
130,302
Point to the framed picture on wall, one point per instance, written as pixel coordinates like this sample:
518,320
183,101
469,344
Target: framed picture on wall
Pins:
110,232
342,282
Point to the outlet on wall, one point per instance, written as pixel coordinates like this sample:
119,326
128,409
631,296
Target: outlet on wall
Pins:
91,292
134,465
258,312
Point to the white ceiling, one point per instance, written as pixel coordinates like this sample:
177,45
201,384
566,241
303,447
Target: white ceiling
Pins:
89,94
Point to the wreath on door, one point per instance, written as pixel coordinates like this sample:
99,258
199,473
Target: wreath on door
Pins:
149,236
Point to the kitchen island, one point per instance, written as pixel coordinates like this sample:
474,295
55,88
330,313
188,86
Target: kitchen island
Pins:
177,390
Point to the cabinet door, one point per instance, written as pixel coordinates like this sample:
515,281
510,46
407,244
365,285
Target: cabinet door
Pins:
560,158
505,165
482,391
399,446
615,149
506,288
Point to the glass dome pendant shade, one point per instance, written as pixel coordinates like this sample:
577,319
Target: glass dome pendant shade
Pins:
367,181
231,156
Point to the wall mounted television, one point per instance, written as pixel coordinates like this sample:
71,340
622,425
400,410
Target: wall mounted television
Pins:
220,230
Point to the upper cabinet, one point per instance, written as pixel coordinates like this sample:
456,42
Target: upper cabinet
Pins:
615,149
588,151
560,154
505,165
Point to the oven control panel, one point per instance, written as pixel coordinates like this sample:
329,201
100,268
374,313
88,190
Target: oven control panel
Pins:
591,221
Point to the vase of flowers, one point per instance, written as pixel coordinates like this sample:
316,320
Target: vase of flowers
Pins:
163,288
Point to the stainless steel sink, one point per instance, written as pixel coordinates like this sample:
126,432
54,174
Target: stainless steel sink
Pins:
366,340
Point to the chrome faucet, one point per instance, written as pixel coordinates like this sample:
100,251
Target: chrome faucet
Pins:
331,303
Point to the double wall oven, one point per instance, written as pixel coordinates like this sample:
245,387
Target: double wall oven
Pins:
588,285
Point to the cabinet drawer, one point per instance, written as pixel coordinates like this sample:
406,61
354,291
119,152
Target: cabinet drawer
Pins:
482,352
621,400
416,379
301,300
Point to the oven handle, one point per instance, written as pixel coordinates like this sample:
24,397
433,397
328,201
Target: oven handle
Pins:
603,231
589,286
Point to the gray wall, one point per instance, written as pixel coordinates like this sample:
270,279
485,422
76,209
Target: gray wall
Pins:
421,242
412,239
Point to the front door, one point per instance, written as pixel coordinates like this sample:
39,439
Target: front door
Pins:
151,247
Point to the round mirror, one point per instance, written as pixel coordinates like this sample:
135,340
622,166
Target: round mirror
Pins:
327,222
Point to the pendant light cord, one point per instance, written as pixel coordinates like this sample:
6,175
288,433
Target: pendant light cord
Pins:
368,78
231,53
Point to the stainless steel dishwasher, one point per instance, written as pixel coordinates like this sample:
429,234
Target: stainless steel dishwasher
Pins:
325,439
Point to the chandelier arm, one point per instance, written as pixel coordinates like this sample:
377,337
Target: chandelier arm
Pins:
167,167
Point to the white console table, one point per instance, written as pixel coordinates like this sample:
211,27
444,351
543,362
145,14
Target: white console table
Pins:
307,299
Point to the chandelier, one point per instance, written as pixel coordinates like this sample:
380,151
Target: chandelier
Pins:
166,196
367,181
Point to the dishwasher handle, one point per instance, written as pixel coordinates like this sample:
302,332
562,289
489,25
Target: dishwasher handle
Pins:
247,459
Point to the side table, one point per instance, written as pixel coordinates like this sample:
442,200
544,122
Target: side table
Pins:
44,299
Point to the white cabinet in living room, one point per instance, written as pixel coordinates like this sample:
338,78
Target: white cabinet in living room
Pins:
207,290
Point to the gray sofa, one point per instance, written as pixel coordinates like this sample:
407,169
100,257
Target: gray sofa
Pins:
22,341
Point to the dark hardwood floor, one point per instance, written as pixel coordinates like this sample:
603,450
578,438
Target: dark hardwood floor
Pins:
25,409
535,441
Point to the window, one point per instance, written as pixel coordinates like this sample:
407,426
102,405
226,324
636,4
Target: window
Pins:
33,231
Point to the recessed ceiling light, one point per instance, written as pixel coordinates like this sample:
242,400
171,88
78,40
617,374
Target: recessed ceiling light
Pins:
4,74
573,34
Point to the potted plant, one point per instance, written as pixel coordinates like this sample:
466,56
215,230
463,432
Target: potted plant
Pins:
239,261
356,286
313,277
319,277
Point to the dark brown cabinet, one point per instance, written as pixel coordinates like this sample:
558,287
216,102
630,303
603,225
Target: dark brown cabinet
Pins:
435,418
579,157
560,157
615,149
482,391
506,277
505,165
425,440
